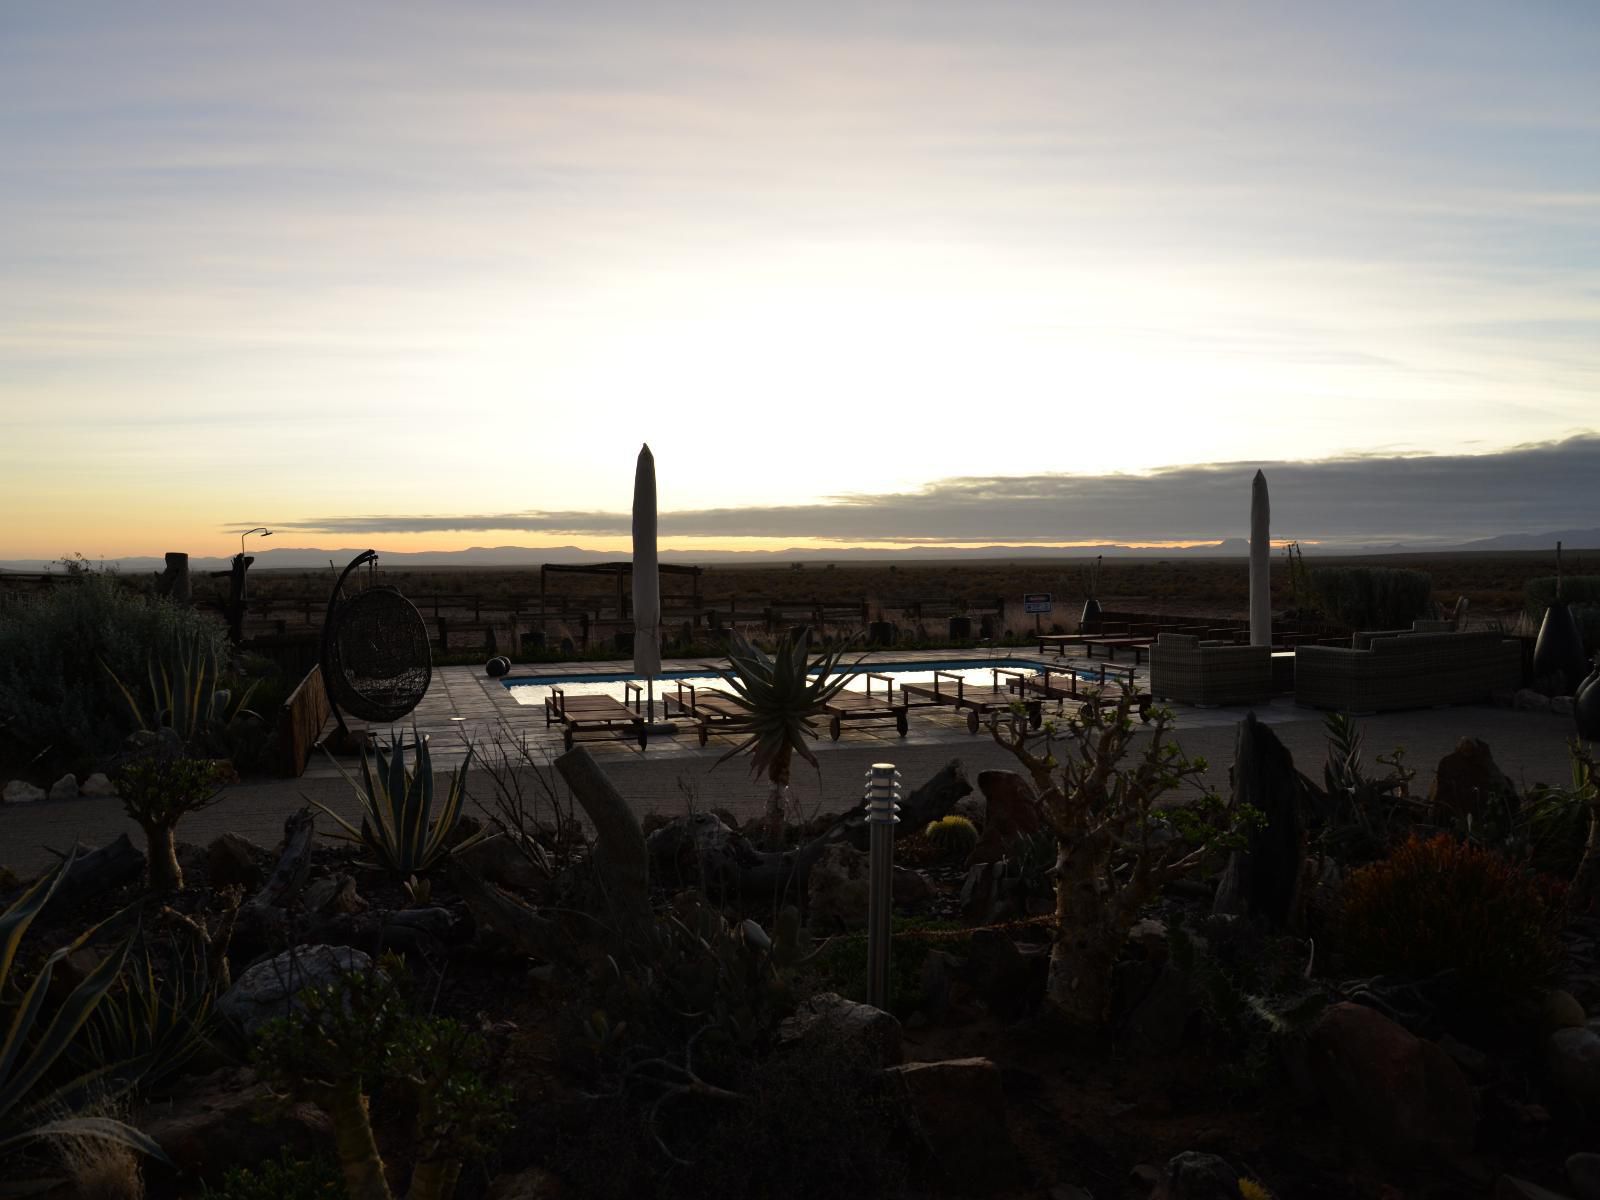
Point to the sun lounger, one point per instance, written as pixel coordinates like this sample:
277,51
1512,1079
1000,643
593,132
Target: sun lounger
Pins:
1091,687
706,707
950,690
1139,645
596,714
865,707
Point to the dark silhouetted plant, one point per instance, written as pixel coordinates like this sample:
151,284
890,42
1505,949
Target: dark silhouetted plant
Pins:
1441,904
158,790
399,824
33,1048
1373,597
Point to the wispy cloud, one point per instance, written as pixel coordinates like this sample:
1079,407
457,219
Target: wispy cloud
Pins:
1360,498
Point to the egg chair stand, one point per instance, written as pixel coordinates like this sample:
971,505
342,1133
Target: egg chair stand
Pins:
376,659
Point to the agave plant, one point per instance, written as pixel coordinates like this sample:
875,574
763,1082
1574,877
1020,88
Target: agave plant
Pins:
184,695
398,822
780,695
28,1056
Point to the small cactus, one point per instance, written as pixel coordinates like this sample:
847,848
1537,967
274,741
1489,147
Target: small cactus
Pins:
952,836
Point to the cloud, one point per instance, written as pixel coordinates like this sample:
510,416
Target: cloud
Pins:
1368,498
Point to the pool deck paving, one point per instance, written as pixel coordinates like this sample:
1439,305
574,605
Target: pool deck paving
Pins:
674,772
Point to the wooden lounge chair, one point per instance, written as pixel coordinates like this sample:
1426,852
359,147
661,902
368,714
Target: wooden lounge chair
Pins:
706,707
1138,644
950,690
864,707
1090,687
597,714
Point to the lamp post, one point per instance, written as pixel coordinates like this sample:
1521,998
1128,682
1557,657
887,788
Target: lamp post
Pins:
261,529
883,795
236,586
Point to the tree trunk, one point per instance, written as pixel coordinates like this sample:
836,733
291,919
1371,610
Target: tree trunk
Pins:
1085,948
165,874
619,851
1581,895
359,1160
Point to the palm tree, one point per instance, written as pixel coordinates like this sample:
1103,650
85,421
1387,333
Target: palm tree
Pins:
781,694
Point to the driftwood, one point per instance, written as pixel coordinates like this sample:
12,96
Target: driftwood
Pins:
701,851
520,928
620,857
1263,880
96,871
265,915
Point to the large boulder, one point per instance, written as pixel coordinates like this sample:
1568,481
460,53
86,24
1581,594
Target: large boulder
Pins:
872,1034
1402,1096
65,788
1468,783
1009,979
20,791
1196,1176
1010,809
232,859
502,859
268,989
960,1107
98,787
228,1118
1263,878
837,888
1572,1060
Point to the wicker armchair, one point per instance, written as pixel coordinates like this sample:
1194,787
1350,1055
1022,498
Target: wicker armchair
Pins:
1187,670
1406,670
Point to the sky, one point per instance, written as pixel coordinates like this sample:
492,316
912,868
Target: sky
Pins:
856,272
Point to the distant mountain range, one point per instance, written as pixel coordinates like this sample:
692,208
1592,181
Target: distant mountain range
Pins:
291,558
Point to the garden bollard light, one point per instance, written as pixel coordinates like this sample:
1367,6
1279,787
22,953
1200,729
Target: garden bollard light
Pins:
883,795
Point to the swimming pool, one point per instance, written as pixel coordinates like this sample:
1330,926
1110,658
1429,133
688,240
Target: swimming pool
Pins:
532,689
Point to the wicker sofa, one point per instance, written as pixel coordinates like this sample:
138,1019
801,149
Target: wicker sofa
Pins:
1410,669
1189,671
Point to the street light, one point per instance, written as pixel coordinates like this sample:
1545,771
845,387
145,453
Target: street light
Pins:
261,529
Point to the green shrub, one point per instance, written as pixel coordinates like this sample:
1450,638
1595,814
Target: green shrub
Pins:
952,836
285,1178
1439,905
1373,597
56,697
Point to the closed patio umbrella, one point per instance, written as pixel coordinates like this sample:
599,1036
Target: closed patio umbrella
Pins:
1260,563
646,577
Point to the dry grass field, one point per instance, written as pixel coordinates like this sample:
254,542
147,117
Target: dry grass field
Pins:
473,601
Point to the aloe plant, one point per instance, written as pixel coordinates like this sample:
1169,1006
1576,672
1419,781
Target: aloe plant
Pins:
398,822
184,693
29,1055
780,696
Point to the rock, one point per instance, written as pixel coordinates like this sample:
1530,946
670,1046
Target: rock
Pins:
535,1183
267,989
1008,979
980,890
1528,700
1145,1176
65,788
938,971
318,894
1572,1058
1561,706
435,922
499,859
346,899
837,892
1560,1010
871,1033
1583,1173
960,1107
1263,877
20,791
98,787
1010,809
217,1121
1196,1176
231,859
1468,782
1509,1187
332,894
1157,1023
1403,1096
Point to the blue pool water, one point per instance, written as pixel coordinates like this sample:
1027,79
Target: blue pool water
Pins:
532,689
